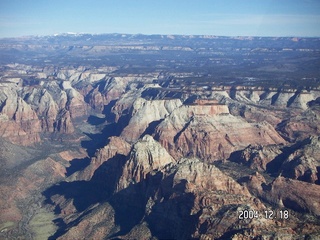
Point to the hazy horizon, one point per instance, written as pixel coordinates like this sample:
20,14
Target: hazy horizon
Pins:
270,18
154,34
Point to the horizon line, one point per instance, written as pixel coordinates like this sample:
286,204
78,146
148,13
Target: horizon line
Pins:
157,34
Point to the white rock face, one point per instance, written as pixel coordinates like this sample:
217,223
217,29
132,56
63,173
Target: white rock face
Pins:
62,100
41,75
301,100
146,112
282,99
146,156
69,74
94,77
267,97
19,123
254,96
66,85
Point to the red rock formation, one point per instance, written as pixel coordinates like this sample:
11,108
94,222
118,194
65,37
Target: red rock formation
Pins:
257,157
296,161
76,104
301,126
200,177
96,99
210,133
19,123
115,146
45,107
303,163
27,111
288,193
64,123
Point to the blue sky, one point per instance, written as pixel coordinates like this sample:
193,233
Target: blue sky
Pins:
210,17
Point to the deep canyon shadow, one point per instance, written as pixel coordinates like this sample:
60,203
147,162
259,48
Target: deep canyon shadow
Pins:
86,193
169,217
99,140
77,164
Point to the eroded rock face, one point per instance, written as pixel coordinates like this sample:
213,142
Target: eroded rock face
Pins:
200,176
145,113
49,107
210,132
76,104
257,157
116,147
303,163
283,98
297,195
45,107
146,156
19,123
296,161
96,99
301,125
198,193
63,122
107,90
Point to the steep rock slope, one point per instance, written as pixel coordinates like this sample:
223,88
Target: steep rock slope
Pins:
287,193
116,147
145,113
107,90
257,156
146,156
210,132
297,161
179,200
19,123
26,112
301,125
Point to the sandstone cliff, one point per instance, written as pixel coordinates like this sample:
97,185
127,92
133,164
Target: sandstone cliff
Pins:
107,90
257,157
145,113
297,195
303,162
19,123
210,132
146,156
296,161
116,147
28,111
301,125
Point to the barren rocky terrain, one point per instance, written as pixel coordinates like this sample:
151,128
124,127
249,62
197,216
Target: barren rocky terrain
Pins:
159,137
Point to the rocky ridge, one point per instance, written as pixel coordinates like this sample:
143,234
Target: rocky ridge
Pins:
210,132
168,195
295,161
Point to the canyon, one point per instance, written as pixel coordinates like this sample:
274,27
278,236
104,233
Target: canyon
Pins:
149,137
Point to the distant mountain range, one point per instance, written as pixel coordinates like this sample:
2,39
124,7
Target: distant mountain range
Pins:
182,40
